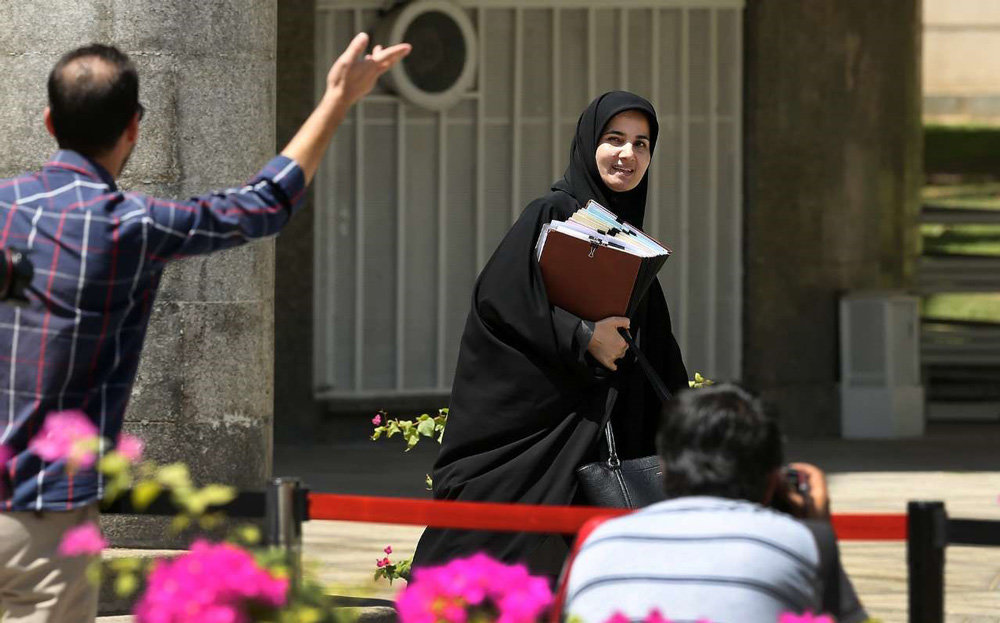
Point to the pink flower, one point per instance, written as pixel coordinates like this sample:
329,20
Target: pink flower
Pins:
83,540
377,419
618,617
68,435
655,617
130,447
388,549
210,584
446,592
381,563
808,617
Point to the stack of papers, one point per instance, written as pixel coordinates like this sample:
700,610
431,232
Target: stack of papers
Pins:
595,223
595,265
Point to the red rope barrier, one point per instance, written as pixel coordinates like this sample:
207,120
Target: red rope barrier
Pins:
531,518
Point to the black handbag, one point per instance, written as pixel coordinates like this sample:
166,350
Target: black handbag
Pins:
632,483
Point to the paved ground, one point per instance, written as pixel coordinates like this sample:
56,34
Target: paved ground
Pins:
959,464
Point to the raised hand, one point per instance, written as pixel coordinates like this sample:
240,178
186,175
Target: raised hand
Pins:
354,73
351,78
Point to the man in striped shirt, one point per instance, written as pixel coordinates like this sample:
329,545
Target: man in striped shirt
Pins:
99,253
715,550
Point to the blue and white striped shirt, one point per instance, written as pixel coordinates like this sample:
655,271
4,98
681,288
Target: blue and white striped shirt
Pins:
98,255
695,558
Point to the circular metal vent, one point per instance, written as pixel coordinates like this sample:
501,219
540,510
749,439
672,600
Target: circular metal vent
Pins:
442,65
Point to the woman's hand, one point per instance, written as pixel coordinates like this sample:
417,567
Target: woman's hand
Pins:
607,345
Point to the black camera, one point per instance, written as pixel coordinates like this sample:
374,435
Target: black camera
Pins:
16,271
796,481
792,481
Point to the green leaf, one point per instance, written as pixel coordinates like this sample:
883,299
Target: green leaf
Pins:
392,428
113,464
125,565
426,427
428,482
94,573
378,433
180,523
117,485
217,495
126,584
143,493
175,476
249,534
211,521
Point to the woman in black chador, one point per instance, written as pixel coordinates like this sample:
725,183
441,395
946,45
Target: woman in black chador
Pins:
532,379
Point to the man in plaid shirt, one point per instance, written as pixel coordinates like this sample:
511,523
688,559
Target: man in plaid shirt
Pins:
99,253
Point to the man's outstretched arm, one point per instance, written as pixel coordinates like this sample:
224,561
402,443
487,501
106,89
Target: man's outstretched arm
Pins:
352,76
261,208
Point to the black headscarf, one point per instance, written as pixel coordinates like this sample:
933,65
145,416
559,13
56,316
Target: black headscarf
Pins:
583,180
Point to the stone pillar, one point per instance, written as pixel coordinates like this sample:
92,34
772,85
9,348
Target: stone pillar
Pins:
296,414
833,157
204,393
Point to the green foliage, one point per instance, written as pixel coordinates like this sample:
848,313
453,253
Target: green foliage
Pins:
394,570
961,149
411,431
700,381
308,601
965,239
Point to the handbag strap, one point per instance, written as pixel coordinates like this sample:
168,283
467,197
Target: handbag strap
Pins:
609,436
654,379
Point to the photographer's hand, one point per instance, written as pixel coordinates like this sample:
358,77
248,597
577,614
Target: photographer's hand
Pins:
352,76
607,345
816,503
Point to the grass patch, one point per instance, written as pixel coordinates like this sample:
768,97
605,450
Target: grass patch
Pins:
967,306
961,239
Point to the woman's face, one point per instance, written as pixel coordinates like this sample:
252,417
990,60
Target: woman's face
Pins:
623,151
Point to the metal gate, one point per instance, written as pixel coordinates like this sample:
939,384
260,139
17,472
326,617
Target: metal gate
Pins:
411,203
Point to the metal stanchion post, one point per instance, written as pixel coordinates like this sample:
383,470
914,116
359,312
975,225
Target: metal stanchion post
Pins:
927,536
284,522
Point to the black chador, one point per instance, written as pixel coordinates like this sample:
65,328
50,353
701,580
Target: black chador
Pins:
527,400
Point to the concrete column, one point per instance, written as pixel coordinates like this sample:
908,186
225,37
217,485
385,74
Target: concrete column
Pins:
833,157
204,393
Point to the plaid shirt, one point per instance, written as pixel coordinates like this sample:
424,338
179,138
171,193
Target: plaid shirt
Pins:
98,254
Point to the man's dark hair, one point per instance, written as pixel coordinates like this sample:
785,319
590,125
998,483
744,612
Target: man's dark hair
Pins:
718,441
93,94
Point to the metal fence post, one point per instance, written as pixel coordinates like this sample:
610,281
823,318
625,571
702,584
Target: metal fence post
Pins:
927,536
285,514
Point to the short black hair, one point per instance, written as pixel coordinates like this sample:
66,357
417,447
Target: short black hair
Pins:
718,441
93,94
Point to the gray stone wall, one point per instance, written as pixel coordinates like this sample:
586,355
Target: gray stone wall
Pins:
833,157
296,414
204,393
